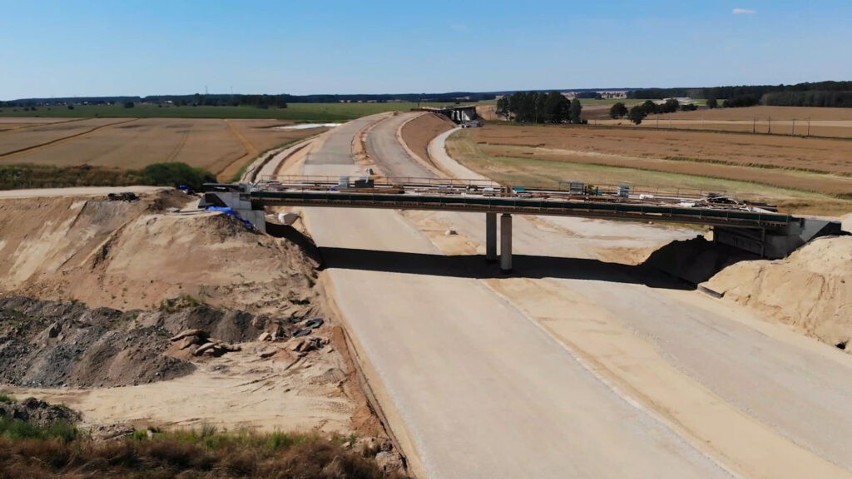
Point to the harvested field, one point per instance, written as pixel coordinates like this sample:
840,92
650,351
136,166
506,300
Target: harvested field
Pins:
419,132
778,120
216,145
810,174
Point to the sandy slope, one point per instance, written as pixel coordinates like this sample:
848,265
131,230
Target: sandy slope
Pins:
128,255
811,289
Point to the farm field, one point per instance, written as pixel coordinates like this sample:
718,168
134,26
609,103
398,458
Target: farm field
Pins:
811,175
314,112
131,143
778,120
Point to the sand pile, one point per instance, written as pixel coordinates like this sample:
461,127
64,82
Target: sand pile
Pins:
811,289
135,255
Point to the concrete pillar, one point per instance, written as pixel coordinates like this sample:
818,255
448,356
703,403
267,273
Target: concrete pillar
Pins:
491,237
506,243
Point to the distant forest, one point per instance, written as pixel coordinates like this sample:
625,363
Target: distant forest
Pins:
820,94
260,101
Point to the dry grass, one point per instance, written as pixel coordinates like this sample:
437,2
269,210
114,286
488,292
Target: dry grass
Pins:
754,166
215,145
212,455
778,120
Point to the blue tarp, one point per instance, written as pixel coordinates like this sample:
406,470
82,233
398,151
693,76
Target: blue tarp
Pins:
230,211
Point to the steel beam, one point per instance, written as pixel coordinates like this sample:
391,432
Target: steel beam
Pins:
491,237
506,243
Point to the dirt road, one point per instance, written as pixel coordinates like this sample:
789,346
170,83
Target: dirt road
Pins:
473,387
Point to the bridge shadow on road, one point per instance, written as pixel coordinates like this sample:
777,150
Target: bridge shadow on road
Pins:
475,266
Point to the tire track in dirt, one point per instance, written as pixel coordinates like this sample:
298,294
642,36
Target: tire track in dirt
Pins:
250,152
63,139
36,125
180,144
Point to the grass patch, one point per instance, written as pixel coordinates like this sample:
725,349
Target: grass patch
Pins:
17,429
6,399
24,175
203,452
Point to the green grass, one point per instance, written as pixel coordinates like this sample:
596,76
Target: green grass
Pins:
18,429
6,399
300,112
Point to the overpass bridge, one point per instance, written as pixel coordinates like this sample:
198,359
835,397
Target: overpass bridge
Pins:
746,226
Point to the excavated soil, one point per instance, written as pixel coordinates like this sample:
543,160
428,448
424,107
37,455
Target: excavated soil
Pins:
135,255
93,293
810,290
52,344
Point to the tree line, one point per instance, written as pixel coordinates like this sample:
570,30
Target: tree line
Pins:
819,94
639,112
540,107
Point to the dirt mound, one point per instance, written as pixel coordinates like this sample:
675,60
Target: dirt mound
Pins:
38,413
49,344
135,255
811,289
695,260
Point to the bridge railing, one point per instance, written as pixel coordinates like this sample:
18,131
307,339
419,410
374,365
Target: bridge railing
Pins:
315,181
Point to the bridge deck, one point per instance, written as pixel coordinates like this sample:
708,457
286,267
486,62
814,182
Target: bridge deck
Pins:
605,209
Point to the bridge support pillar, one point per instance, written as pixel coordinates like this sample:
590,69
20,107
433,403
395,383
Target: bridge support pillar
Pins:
506,243
491,237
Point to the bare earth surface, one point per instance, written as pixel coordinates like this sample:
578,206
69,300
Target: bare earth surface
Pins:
75,246
220,146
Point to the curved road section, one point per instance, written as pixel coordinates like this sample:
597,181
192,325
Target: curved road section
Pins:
471,386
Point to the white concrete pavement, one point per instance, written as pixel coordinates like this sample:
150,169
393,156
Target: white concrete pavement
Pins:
477,388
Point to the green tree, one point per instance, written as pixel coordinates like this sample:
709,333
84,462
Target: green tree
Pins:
649,107
712,103
576,111
619,110
670,106
176,174
556,108
637,114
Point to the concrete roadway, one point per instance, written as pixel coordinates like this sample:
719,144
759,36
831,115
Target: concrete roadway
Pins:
477,389
473,387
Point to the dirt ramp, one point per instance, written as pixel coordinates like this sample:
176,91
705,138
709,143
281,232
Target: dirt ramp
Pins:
811,289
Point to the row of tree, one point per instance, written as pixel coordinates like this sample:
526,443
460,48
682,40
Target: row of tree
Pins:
540,107
639,112
820,94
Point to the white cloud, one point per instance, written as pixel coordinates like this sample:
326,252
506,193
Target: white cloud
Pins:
744,11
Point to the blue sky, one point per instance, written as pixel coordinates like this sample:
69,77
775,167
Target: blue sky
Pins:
143,47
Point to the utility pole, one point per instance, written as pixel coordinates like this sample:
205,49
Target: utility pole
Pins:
793,131
769,131
809,127
754,125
